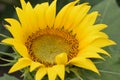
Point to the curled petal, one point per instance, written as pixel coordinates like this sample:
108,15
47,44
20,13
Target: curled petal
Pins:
61,58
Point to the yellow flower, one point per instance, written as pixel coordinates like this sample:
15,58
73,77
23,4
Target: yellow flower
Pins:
48,42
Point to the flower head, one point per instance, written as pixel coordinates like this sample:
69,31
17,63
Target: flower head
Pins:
48,42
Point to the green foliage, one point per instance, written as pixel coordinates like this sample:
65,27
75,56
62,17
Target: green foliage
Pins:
110,15
8,77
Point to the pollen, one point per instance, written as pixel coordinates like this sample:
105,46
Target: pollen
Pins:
45,44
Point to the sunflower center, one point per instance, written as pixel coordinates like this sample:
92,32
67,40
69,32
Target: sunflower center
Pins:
46,44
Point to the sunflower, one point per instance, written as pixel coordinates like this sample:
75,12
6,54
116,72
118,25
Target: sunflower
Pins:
50,42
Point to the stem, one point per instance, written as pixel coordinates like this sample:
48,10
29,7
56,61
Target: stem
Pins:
11,61
75,71
109,72
8,54
8,64
4,36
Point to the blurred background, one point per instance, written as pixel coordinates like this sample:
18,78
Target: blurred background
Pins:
110,15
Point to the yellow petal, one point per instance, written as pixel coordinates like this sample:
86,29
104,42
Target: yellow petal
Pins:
91,37
90,54
81,15
50,14
30,16
28,19
63,13
10,41
51,73
20,15
13,22
94,49
40,73
91,30
23,3
24,21
91,18
60,69
88,21
20,48
15,29
80,11
84,63
35,65
22,63
40,12
102,52
102,42
56,70
99,27
61,58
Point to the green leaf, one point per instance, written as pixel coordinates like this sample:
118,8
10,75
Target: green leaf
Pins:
8,77
110,15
